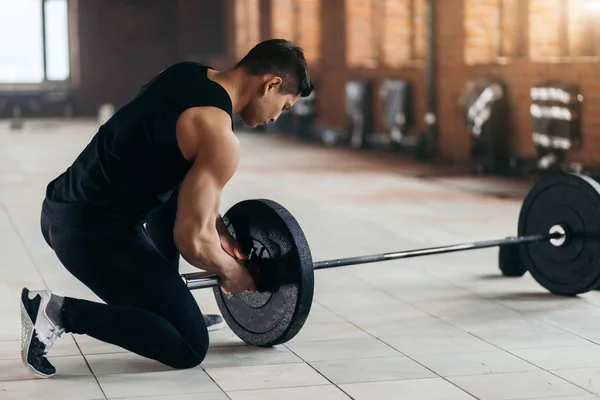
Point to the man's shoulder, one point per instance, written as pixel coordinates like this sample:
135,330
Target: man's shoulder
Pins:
184,65
181,71
203,125
207,118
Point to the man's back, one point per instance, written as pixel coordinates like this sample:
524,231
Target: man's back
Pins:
134,161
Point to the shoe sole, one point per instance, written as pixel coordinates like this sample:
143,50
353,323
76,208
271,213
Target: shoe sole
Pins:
27,329
216,327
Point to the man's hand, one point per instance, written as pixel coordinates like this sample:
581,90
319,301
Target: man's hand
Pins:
228,243
237,280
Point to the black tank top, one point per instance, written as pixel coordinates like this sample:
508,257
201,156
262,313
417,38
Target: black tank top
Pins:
133,163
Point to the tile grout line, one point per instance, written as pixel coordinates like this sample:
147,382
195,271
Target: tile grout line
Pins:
215,382
319,372
278,388
90,368
27,250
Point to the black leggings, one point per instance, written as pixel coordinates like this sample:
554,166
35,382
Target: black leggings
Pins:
149,310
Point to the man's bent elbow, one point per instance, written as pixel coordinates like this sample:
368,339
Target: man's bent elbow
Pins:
194,250
185,245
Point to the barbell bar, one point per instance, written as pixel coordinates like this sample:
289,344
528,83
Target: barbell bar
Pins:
199,280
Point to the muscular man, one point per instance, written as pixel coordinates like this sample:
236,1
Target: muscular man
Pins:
144,191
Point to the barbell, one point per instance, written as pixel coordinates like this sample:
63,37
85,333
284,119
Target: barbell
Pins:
557,242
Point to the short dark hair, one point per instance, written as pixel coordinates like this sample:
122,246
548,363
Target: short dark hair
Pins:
282,58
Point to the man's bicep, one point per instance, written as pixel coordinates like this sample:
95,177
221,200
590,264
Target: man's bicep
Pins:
200,192
198,203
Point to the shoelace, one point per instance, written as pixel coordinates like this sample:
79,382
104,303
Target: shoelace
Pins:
54,334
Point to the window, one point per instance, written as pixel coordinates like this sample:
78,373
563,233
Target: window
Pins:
511,25
247,23
385,32
283,19
403,31
57,40
580,28
544,28
419,27
493,29
41,52
396,29
360,49
300,22
481,31
309,28
556,29
562,28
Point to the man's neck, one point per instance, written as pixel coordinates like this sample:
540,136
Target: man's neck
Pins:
237,84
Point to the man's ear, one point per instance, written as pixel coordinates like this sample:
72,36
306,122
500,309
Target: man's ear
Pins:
272,83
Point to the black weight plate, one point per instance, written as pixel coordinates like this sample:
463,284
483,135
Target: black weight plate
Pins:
509,260
281,252
572,201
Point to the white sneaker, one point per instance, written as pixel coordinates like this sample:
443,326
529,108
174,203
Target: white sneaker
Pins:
38,332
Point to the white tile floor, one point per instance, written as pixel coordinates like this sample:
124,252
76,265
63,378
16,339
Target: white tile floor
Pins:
443,327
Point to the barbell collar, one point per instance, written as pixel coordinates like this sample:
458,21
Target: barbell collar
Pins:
200,280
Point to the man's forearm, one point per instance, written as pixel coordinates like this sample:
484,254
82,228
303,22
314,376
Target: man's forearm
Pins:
208,255
221,227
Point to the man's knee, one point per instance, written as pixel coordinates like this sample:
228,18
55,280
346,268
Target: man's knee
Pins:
192,356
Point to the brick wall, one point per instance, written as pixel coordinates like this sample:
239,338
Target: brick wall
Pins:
507,56
121,44
542,54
